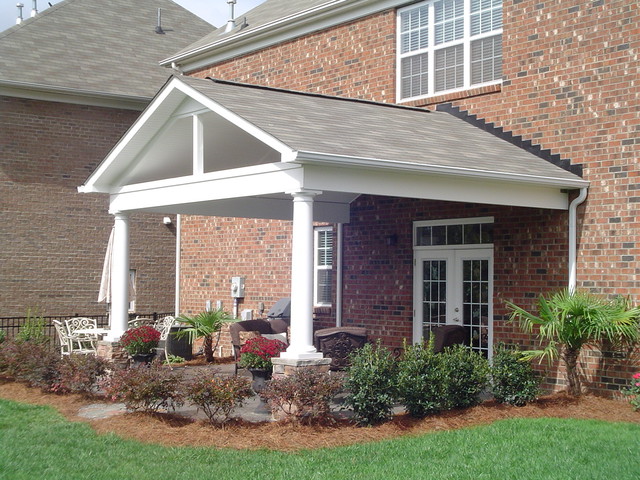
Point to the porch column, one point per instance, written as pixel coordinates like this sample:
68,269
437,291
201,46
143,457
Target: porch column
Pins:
120,277
301,341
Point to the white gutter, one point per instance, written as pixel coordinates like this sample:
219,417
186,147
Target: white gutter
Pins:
573,227
178,248
37,91
324,159
339,276
328,14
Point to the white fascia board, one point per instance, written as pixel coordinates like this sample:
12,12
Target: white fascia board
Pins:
92,183
301,23
459,172
73,96
284,150
426,186
236,183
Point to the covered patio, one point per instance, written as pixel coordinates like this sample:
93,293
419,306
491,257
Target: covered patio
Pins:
217,148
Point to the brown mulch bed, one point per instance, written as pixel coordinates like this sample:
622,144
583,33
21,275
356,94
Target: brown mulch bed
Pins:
172,430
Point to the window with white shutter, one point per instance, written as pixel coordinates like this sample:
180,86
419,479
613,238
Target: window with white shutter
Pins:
323,265
448,45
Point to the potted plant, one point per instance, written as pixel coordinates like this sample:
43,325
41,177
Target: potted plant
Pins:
140,342
204,325
256,355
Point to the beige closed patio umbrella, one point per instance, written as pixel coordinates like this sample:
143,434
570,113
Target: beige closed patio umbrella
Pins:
104,294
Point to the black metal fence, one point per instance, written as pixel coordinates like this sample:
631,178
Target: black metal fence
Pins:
12,325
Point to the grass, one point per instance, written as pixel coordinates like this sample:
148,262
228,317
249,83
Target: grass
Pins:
38,443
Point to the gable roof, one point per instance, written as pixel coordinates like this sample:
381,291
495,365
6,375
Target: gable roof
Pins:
96,48
336,127
272,22
203,142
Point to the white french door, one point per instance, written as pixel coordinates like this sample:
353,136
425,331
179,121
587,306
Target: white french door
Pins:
455,286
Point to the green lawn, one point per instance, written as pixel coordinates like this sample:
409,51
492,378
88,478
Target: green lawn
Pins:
38,443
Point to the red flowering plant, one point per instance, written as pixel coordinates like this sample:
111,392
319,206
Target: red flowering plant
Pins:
633,391
257,352
140,340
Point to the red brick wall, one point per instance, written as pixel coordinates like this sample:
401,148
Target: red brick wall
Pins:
568,73
53,239
351,60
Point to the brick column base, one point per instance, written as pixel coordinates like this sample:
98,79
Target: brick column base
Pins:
113,352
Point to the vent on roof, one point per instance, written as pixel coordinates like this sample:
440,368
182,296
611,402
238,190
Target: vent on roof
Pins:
34,8
20,7
159,24
231,23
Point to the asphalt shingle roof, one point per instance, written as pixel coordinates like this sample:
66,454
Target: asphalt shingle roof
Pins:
360,129
107,47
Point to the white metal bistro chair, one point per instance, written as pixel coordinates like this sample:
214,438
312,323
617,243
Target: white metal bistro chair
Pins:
84,341
71,344
163,325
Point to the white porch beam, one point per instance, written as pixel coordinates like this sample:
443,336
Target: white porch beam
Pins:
198,145
301,341
434,187
120,277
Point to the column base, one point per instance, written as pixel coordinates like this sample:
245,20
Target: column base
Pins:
283,367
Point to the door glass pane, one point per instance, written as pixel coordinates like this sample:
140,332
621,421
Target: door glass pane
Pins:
475,307
434,299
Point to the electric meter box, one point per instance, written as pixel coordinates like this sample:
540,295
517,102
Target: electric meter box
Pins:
237,287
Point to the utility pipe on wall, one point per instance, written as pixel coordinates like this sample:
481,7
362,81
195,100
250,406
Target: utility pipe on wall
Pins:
178,247
573,242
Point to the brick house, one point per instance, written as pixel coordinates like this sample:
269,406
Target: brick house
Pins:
402,218
72,81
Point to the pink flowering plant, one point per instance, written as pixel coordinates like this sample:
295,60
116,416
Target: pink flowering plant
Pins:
633,391
140,340
257,352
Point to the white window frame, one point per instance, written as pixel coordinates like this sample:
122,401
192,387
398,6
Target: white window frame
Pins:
316,267
430,50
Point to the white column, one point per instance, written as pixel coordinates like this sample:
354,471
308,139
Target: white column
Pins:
301,341
120,277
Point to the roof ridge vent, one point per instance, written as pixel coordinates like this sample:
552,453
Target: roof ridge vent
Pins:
20,7
231,23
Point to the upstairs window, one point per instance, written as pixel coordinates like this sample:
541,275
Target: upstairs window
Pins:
448,45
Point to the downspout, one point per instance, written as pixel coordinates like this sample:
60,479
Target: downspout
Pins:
178,247
573,228
339,277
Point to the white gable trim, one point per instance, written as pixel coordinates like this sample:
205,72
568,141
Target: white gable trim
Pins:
107,177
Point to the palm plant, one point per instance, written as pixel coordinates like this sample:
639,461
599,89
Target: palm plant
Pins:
204,325
568,320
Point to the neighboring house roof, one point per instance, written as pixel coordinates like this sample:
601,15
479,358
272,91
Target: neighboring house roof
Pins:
318,141
272,22
95,48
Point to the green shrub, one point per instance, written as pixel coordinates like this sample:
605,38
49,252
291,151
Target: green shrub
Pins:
33,328
218,396
304,396
467,375
422,381
3,336
370,384
513,379
147,388
79,374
